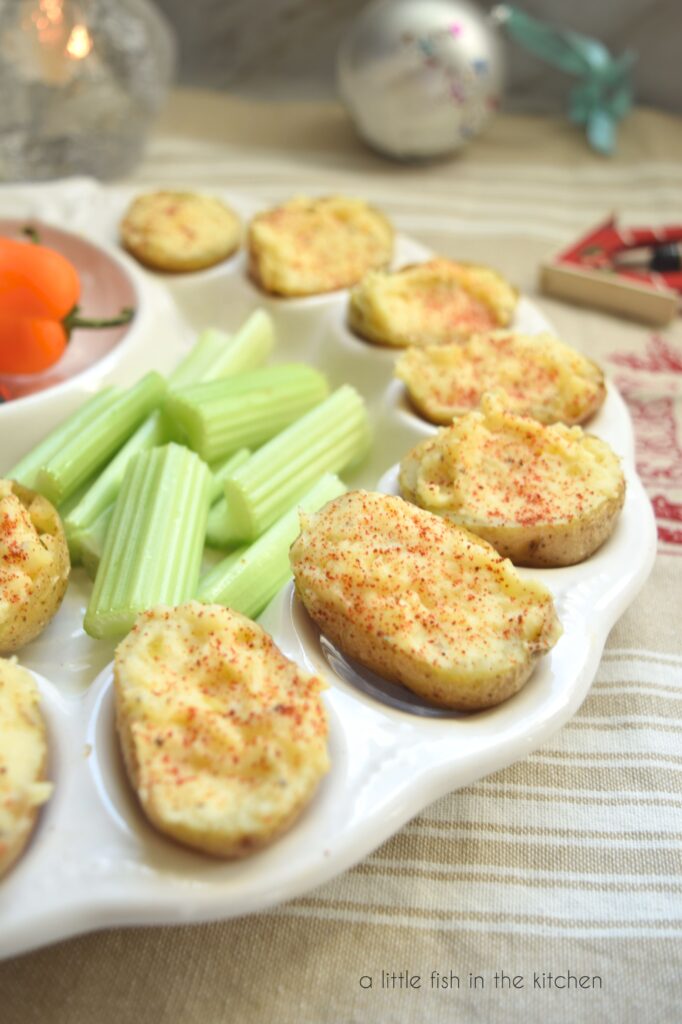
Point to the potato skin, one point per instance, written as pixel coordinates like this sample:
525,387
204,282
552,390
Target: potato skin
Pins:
537,546
29,616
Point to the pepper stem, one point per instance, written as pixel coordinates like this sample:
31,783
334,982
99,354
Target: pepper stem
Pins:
73,320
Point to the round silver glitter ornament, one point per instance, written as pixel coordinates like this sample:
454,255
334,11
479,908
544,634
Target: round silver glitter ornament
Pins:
420,78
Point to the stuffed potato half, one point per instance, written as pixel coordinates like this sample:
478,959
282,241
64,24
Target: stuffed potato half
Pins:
23,758
543,496
224,739
421,601
34,564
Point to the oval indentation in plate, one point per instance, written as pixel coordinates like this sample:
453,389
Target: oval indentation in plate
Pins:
106,763
393,694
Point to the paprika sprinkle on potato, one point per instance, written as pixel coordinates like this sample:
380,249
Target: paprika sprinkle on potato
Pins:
39,292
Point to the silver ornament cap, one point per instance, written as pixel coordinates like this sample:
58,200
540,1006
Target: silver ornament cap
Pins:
420,78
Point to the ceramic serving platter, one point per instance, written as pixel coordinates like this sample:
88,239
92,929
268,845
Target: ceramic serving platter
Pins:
93,860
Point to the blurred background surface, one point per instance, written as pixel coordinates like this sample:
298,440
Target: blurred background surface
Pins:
287,48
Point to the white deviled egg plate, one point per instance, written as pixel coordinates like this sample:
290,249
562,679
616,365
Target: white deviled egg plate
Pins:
94,861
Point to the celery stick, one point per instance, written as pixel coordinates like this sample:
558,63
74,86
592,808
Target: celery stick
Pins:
328,439
152,553
65,509
80,457
220,532
199,359
217,355
222,416
223,469
246,350
105,488
26,471
248,580
218,511
226,563
91,540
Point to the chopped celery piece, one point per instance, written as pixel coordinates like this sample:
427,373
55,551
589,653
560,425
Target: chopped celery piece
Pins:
328,439
223,469
91,540
225,564
64,509
218,355
78,458
152,553
199,359
26,471
105,488
221,416
247,580
219,531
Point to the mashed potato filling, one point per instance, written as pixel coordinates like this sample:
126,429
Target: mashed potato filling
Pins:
431,303
496,467
24,554
179,231
307,246
224,738
23,751
420,600
540,375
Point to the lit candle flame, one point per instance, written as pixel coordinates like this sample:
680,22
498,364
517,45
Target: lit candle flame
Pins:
79,43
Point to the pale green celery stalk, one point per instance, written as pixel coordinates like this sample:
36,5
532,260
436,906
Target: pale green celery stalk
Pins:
217,513
26,471
199,359
223,469
81,456
219,531
327,439
65,507
105,487
91,540
152,553
247,580
222,416
226,356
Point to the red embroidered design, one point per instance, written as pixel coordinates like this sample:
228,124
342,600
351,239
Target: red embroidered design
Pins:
665,509
655,418
659,452
660,357
669,536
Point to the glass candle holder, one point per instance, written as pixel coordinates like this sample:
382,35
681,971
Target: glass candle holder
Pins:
81,81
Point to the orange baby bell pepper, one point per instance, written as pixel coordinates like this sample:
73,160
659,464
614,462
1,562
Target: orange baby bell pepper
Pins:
39,292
